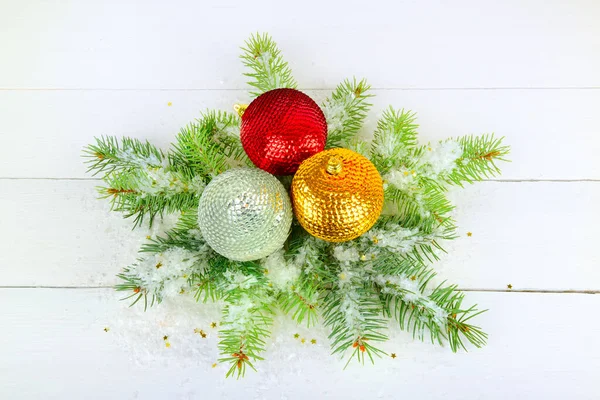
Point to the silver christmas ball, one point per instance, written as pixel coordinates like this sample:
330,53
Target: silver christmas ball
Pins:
245,214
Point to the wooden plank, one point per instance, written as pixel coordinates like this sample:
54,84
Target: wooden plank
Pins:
542,346
554,134
61,234
182,44
533,235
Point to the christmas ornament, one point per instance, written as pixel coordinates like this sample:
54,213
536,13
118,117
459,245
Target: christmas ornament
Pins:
281,128
337,195
245,214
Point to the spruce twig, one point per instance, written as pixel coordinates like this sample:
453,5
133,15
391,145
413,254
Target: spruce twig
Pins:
268,70
345,111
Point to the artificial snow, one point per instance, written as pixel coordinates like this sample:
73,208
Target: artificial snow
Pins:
440,159
164,274
281,273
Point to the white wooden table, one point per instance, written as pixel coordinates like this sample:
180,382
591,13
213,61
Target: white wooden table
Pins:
528,70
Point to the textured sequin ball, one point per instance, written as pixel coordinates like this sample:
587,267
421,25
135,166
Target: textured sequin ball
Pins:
281,128
245,214
337,195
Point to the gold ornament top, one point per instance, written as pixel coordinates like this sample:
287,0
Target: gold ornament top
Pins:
337,195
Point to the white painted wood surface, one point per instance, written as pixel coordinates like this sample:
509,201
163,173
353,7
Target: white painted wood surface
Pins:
55,348
513,225
553,132
528,70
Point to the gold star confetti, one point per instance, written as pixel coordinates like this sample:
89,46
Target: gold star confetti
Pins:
197,330
169,104
167,345
412,278
313,341
148,237
106,329
203,335
302,340
393,355
159,265
469,234
165,338
296,335
213,324
182,291
363,258
509,286
214,365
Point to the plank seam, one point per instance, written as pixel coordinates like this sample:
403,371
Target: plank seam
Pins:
416,89
8,178
539,291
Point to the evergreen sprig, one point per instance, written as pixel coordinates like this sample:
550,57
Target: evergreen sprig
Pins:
394,137
359,328
478,162
197,149
301,303
140,181
107,155
268,70
131,198
247,319
345,111
133,285
419,313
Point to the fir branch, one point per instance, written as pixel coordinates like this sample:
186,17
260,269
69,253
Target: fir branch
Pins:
268,70
139,179
345,111
246,323
132,284
353,313
208,283
389,233
424,207
196,150
301,302
403,284
226,134
137,194
185,236
395,136
107,155
478,161
157,275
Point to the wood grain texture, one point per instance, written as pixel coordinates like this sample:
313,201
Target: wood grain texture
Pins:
54,347
533,235
181,44
553,133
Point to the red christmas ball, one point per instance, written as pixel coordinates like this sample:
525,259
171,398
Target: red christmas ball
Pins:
281,128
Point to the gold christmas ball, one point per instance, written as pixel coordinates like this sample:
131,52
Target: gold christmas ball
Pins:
337,195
